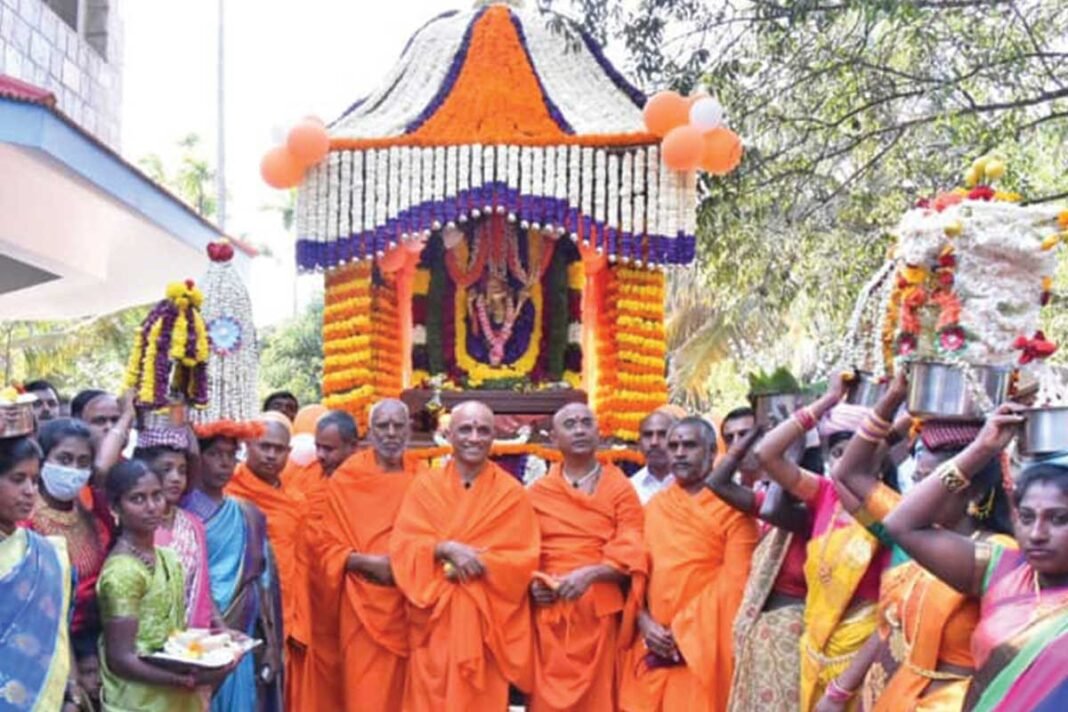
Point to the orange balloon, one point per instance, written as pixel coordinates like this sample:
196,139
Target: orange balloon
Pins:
393,260
280,169
307,417
308,142
682,147
722,151
665,111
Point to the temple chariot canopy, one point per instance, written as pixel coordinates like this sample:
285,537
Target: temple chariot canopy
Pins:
493,110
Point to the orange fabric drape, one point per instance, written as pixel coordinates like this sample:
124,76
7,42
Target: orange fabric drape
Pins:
700,550
576,643
360,632
468,640
283,507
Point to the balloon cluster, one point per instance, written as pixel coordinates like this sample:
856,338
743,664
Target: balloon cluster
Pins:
307,144
694,133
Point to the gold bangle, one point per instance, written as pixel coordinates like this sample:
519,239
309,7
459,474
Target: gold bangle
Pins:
949,473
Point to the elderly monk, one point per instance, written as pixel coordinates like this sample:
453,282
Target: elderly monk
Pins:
259,481
359,656
464,547
591,546
700,549
336,439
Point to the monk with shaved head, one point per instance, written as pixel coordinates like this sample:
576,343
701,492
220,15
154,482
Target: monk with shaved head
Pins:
700,550
463,549
359,644
592,556
259,480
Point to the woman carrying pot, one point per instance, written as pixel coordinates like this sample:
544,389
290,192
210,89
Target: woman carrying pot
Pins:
1021,641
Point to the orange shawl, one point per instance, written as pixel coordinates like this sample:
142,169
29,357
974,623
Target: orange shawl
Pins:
466,638
701,549
360,632
575,643
283,508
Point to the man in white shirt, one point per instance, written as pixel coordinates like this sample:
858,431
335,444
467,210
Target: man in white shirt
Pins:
652,441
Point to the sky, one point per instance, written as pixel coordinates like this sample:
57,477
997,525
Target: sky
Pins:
285,59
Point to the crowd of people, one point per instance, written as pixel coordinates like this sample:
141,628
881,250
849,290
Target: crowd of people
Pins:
843,558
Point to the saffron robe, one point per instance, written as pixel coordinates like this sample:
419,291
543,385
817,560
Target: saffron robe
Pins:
468,640
283,507
700,549
359,635
576,643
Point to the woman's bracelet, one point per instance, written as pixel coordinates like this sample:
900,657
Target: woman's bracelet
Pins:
874,429
951,476
805,418
837,693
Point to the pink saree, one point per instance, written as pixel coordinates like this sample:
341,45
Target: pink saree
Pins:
186,539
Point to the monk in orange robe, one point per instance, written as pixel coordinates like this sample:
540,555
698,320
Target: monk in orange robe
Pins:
463,550
360,655
591,548
336,439
259,480
700,549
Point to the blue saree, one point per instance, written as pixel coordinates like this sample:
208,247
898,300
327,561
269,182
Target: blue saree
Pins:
244,588
35,592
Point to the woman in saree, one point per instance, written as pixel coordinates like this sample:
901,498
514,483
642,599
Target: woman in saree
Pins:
922,658
67,467
35,594
168,453
1021,641
844,560
244,581
142,600
767,628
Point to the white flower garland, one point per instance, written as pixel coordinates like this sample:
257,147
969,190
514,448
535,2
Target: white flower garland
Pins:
357,196
405,200
344,226
381,187
654,176
333,170
371,187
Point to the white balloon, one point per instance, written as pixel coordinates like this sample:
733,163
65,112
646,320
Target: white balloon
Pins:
706,114
302,449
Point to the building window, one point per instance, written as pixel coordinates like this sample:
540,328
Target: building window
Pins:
88,18
67,11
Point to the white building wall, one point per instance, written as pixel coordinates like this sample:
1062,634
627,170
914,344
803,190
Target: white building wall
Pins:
81,66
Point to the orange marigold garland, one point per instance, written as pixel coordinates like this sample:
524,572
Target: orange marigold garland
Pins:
347,350
631,351
385,339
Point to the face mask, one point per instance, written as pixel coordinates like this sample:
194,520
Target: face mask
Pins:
64,483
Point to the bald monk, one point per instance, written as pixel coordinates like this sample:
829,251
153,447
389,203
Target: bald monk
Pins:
259,481
591,546
463,550
336,439
359,657
700,549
